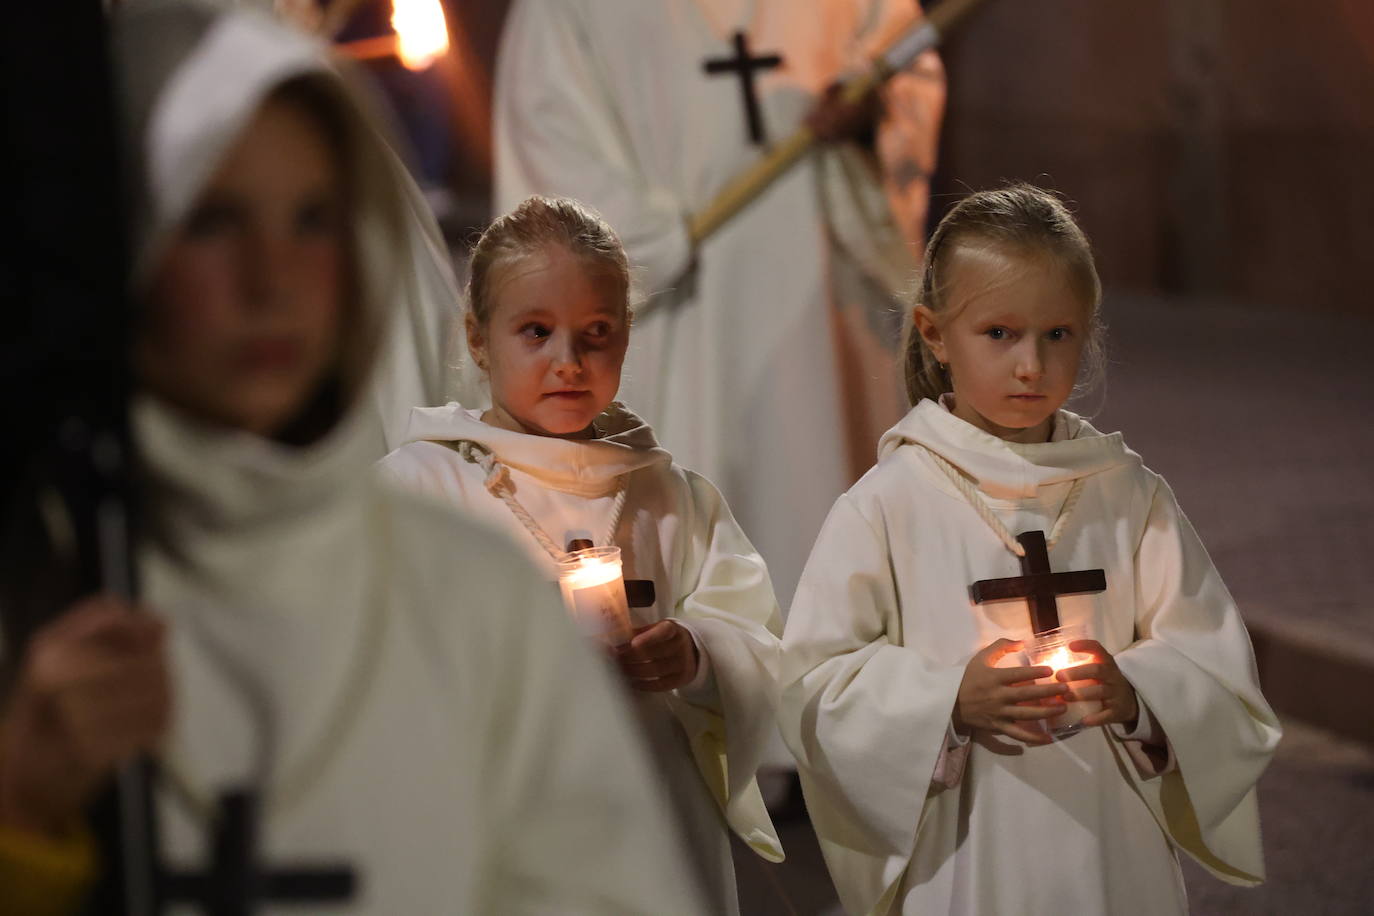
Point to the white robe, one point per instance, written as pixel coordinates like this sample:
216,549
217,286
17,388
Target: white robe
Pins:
479,746
485,748
875,650
785,321
677,531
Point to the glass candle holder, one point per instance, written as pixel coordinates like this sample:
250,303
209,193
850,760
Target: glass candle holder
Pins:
593,589
1051,649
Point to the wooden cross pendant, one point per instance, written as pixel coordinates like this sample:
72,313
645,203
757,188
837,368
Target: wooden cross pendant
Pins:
638,592
234,886
745,65
1037,584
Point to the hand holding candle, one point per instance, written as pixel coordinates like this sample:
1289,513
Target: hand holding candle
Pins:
1105,684
661,657
1005,700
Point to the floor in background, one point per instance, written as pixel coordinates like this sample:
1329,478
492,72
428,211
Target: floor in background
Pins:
1261,422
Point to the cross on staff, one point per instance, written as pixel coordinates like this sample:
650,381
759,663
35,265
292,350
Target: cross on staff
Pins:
234,885
638,592
1037,584
744,64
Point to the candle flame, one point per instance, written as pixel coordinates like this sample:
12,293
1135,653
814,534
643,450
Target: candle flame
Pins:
421,31
590,571
1060,659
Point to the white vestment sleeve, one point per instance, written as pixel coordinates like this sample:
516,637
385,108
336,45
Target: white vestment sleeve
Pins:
866,719
557,132
584,830
726,599
1194,668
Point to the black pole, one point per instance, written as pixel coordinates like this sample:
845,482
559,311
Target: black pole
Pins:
67,501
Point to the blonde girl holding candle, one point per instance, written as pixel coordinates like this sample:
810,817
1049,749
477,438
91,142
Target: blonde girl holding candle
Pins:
556,459
916,721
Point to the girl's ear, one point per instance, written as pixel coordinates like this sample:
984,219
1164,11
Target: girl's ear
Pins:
924,320
477,344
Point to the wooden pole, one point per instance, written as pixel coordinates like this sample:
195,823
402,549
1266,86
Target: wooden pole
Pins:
753,181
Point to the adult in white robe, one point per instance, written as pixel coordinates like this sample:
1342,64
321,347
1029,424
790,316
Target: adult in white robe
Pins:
875,651
676,530
784,322
396,681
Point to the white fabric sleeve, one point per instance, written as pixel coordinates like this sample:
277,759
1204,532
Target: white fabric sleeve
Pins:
866,719
1193,668
725,599
949,766
702,688
1146,744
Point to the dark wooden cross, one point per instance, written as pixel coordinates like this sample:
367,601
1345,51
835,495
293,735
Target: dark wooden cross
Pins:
1037,584
234,885
638,592
745,65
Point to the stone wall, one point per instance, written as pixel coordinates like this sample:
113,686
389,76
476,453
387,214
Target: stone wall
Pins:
1213,146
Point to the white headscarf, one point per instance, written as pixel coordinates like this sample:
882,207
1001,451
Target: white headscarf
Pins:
192,76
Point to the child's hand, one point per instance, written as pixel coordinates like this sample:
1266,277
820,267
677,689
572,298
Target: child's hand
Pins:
991,698
661,657
92,692
1108,685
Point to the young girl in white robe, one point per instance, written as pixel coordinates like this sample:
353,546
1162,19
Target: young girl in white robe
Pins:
929,772
556,459
390,678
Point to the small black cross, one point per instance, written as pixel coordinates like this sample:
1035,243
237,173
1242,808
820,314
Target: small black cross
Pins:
1037,584
638,592
234,886
745,66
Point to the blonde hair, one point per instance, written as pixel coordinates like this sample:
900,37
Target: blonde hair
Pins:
1020,216
525,231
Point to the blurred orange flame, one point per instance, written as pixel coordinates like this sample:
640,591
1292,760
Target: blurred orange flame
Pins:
1061,658
421,32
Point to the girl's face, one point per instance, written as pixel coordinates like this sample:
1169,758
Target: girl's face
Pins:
244,312
553,344
1012,336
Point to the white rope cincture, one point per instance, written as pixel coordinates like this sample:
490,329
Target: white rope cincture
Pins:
986,513
497,483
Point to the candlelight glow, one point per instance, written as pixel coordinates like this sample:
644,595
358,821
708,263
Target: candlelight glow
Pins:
1062,658
421,32
591,571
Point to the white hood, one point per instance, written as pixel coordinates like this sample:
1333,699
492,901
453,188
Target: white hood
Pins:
1009,470
191,77
586,467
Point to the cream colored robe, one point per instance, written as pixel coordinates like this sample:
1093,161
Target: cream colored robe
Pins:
486,747
396,680
875,650
786,321
707,738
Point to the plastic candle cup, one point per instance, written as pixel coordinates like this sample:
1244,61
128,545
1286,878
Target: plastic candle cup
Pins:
1051,649
593,589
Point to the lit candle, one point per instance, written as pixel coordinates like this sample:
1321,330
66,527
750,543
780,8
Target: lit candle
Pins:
594,591
1051,650
421,32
